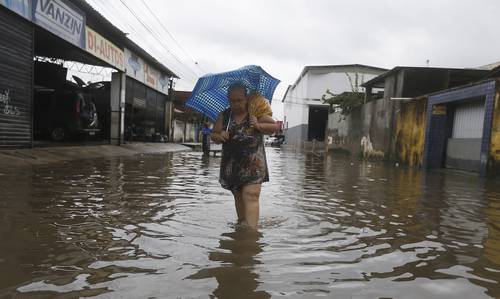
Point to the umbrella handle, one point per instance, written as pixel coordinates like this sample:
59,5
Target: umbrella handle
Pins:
228,121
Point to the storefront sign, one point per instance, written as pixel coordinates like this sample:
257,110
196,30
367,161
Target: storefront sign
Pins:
21,7
104,49
439,110
151,77
62,19
163,84
134,66
5,105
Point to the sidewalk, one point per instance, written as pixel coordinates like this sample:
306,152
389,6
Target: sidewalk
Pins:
44,155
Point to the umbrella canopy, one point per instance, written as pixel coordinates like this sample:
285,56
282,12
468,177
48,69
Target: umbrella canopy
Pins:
209,95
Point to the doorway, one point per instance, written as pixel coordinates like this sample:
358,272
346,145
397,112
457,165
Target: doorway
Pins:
318,119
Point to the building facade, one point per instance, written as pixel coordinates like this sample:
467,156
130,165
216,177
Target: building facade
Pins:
32,33
305,115
378,127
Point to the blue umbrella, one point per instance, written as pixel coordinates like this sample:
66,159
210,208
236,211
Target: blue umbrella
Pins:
209,96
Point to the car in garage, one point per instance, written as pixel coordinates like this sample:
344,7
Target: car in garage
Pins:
64,113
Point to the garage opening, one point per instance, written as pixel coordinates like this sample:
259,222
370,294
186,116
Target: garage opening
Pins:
464,147
66,108
145,113
318,119
71,94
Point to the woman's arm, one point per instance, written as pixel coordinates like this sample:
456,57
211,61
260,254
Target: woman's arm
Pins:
218,135
266,128
264,124
266,119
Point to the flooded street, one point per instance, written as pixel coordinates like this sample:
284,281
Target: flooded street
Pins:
160,226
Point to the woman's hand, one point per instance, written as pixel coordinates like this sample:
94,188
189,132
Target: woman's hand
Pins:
218,134
219,137
254,122
224,136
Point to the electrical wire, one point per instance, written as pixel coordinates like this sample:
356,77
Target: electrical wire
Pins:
105,5
153,34
140,36
171,36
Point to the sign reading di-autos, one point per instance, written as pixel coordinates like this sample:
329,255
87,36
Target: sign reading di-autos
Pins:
104,49
61,18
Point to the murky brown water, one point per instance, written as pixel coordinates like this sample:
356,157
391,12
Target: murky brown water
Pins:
161,227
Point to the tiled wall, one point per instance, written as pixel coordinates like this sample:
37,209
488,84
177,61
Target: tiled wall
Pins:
438,125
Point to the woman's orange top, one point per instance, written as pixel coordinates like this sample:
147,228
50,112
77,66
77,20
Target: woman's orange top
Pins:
258,106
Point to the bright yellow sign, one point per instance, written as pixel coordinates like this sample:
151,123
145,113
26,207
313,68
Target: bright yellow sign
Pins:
104,49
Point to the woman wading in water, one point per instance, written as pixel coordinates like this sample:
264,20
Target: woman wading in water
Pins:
243,165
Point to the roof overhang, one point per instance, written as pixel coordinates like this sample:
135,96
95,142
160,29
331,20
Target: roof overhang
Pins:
51,46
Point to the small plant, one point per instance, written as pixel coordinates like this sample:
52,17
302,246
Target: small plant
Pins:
346,101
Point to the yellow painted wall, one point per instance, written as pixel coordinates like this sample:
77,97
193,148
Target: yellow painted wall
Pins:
410,132
494,163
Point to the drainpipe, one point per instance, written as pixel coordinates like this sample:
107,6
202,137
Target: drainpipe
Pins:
171,98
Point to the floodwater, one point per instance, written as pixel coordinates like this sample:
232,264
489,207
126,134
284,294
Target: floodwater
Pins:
160,226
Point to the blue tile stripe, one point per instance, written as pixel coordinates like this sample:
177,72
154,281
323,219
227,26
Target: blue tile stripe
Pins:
436,129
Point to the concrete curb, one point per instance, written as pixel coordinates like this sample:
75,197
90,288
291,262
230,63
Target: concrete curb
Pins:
37,156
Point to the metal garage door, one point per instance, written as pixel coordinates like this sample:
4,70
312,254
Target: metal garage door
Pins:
469,119
464,148
16,71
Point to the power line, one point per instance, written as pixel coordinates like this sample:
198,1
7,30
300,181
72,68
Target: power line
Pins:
160,37
138,35
171,36
116,11
156,37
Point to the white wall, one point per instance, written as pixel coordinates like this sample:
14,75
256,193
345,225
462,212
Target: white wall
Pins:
295,112
337,121
336,82
190,132
178,131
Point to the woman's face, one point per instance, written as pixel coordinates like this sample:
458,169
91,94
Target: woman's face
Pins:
238,100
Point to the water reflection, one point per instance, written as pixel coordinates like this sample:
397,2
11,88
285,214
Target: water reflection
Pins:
236,275
161,226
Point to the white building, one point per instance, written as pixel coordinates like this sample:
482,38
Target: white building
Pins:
305,115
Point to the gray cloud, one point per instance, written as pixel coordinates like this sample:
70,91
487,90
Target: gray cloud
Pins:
285,35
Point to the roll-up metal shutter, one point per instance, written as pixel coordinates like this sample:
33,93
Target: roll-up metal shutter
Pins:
151,107
16,87
464,148
160,113
469,119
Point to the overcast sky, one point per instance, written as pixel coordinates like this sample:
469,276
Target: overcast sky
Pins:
283,36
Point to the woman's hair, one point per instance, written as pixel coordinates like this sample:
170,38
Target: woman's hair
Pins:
237,85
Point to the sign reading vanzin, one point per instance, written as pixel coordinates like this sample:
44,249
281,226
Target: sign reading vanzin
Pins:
62,19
